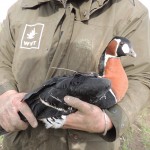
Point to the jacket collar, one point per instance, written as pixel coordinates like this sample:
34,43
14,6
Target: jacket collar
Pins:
85,8
33,3
82,14
102,2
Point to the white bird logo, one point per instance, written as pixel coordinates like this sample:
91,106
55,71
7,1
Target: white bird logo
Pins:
32,34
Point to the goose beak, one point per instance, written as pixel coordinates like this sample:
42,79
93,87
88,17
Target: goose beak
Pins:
132,53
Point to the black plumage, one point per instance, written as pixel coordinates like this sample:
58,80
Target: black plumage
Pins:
47,101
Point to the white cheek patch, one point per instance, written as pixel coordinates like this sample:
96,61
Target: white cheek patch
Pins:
125,48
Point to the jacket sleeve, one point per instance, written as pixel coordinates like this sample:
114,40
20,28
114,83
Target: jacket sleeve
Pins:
137,30
7,47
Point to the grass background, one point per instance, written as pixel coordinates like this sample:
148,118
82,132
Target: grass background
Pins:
138,135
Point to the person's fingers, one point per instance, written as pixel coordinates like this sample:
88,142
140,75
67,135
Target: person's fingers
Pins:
21,125
17,126
16,122
5,124
11,122
77,103
25,110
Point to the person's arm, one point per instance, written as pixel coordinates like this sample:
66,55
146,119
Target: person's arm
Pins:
7,46
10,99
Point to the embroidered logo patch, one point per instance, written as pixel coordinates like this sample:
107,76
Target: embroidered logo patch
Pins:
32,35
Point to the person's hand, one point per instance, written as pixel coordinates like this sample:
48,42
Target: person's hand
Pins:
88,118
10,105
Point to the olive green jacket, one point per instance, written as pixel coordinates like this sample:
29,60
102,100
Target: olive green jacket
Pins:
40,34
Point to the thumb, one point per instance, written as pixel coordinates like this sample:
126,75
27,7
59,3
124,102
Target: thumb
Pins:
77,103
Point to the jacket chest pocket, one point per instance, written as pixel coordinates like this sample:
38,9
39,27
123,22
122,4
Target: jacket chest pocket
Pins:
86,46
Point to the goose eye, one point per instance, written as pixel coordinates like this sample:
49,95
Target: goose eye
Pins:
121,43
